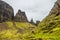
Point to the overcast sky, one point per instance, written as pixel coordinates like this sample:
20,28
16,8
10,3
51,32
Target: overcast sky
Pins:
36,9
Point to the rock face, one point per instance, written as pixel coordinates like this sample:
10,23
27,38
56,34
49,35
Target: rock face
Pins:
32,22
6,11
37,22
56,8
21,16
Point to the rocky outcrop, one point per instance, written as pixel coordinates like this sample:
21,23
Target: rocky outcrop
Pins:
52,21
21,16
37,22
6,11
56,8
32,22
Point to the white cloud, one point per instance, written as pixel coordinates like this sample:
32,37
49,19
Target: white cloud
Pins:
36,9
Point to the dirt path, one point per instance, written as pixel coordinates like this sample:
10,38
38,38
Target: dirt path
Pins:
3,26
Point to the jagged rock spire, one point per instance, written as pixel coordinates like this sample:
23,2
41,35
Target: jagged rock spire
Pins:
32,21
37,22
7,13
21,16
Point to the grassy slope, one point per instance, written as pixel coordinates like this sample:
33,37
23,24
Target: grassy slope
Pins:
50,27
17,31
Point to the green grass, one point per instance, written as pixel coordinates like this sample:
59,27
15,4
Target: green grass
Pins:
17,31
50,27
47,29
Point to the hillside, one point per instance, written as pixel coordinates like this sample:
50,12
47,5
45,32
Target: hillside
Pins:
14,27
50,26
16,31
19,28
